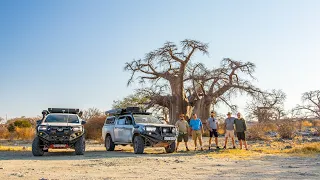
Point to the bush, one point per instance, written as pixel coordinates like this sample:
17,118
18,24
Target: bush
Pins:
11,128
93,127
22,123
306,124
221,129
256,132
286,129
4,133
24,133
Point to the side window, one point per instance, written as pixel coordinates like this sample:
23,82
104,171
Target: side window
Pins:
110,120
121,121
129,120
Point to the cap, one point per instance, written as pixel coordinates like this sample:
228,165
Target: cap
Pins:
229,113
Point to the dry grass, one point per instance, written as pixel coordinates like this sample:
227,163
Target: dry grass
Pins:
307,149
14,148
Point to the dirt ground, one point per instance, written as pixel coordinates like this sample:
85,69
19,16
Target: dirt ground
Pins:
154,164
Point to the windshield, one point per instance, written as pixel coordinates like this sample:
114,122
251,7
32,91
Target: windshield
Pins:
140,118
62,118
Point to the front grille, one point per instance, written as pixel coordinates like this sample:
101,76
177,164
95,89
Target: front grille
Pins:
59,130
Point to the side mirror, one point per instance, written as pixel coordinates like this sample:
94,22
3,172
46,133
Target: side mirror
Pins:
83,122
39,122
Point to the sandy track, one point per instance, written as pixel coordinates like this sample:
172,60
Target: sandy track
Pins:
123,164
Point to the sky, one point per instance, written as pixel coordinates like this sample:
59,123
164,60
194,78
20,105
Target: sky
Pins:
72,53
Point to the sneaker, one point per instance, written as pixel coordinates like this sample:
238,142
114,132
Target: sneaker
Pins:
187,149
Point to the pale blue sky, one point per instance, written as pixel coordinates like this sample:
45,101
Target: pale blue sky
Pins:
72,53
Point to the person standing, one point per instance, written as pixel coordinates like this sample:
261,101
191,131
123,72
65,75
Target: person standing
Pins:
229,128
213,125
241,127
197,130
183,128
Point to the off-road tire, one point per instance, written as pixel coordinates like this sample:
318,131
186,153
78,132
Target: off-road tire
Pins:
171,148
36,149
109,144
80,146
138,145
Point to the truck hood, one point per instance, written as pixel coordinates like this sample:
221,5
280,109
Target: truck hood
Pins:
156,125
60,124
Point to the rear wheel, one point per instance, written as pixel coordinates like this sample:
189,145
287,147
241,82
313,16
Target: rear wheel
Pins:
171,147
36,147
109,143
80,146
138,145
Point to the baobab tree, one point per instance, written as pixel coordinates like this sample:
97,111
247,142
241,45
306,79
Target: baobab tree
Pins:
168,63
211,86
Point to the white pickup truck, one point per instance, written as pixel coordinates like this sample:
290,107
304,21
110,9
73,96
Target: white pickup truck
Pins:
140,129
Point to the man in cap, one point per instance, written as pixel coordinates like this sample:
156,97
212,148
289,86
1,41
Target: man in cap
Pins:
229,128
183,128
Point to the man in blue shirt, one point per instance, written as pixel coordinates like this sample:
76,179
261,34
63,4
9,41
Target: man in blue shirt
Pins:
197,130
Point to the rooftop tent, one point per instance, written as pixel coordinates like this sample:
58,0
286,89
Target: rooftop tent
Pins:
64,110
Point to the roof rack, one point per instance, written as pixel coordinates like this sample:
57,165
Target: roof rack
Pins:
128,110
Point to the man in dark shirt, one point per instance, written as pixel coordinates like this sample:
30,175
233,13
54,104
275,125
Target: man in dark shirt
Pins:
241,127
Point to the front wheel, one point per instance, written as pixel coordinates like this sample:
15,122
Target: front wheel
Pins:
109,143
171,147
138,145
80,146
36,149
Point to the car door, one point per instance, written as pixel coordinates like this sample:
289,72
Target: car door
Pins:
128,130
118,129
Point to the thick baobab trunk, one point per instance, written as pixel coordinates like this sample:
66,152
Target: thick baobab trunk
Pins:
178,101
202,108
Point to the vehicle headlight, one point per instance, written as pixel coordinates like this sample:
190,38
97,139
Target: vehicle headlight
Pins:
165,130
151,128
79,128
174,130
42,128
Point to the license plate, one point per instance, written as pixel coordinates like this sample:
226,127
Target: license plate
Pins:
169,138
59,145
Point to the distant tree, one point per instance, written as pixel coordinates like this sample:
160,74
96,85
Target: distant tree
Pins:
136,99
267,106
310,106
91,113
1,120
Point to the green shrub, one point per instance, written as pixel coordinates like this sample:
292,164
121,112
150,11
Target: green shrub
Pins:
22,124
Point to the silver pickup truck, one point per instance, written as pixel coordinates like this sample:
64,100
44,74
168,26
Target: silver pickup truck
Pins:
139,129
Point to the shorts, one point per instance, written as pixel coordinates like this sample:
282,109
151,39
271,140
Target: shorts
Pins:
241,136
229,133
185,137
213,132
196,134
